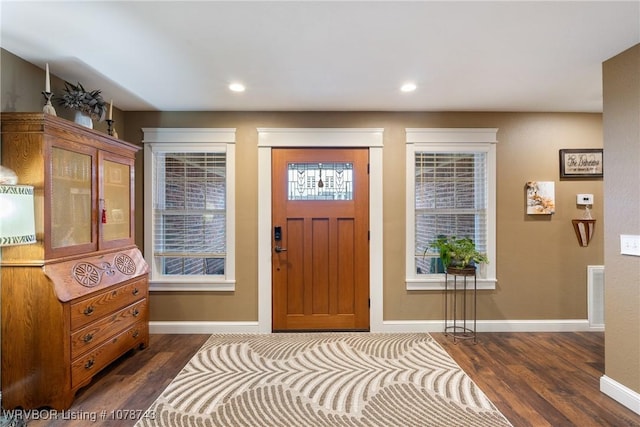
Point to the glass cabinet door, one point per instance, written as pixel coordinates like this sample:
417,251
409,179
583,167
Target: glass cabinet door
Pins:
72,202
116,201
91,202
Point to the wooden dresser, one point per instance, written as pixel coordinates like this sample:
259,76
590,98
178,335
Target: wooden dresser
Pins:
76,300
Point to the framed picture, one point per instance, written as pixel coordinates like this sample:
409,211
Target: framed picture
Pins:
581,163
541,199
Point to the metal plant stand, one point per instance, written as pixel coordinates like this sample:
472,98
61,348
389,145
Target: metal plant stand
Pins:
456,327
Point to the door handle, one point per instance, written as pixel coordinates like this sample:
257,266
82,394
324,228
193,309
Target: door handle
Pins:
278,249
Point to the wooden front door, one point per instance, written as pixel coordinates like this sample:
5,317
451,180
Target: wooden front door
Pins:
320,239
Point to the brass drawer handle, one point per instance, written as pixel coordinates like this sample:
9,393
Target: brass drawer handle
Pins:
136,312
136,291
89,363
89,310
136,333
88,338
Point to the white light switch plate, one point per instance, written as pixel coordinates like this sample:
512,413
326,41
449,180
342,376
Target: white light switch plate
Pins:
629,244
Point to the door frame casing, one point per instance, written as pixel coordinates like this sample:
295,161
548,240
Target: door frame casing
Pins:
268,138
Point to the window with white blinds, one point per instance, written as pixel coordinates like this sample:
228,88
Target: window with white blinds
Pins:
450,200
190,213
189,208
451,189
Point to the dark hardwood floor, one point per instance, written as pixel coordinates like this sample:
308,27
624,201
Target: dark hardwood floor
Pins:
535,379
122,392
542,379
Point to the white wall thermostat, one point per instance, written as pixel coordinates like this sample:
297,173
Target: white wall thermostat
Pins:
585,199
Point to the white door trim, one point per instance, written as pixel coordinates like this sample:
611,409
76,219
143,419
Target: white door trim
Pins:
308,138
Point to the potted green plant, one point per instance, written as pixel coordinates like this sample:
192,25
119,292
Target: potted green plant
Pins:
89,103
458,252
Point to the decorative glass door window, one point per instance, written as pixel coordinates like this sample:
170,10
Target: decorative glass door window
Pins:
320,181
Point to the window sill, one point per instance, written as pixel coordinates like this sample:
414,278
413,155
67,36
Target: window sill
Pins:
192,286
437,284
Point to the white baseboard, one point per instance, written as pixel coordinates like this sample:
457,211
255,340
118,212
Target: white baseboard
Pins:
620,393
559,325
204,327
209,327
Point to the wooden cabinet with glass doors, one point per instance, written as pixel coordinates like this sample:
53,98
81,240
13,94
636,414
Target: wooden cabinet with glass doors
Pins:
91,200
76,300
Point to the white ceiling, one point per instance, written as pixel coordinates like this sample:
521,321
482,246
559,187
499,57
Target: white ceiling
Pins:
328,55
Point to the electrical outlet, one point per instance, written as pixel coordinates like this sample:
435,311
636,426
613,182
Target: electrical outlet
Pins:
629,244
584,199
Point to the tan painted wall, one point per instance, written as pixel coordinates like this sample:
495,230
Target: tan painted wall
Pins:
621,77
22,84
540,267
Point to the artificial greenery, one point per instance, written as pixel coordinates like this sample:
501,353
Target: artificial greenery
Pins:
458,252
76,97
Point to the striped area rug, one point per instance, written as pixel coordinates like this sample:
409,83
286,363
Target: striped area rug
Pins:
322,379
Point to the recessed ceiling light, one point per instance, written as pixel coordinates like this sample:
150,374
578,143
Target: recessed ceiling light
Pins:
408,87
236,87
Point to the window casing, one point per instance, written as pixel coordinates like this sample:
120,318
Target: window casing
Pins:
451,190
189,215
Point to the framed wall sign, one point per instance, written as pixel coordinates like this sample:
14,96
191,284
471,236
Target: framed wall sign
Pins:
581,163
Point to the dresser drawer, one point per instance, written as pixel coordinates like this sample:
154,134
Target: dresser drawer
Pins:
106,302
97,332
88,365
